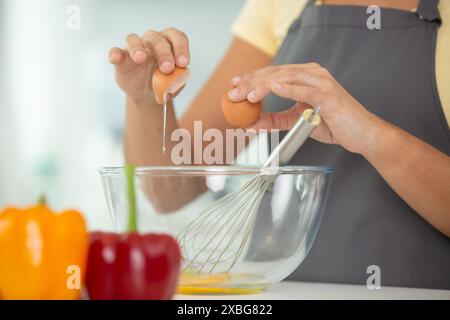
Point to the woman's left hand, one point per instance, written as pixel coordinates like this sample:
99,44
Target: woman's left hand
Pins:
344,120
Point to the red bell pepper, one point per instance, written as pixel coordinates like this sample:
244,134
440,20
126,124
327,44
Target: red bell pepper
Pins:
133,265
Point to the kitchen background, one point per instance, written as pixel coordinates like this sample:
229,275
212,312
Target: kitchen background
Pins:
61,113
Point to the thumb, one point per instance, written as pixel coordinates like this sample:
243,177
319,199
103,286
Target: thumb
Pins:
283,120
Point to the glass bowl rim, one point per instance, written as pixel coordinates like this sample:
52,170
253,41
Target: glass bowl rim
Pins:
213,170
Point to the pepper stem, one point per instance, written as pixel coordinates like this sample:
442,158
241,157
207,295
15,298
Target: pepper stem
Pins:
42,200
131,194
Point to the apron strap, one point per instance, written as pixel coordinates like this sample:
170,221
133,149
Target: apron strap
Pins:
428,10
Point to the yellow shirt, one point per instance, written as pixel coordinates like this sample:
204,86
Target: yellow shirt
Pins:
264,24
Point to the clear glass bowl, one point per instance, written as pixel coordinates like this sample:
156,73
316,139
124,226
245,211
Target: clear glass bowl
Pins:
279,233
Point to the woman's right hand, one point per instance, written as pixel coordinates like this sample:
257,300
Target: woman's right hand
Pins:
136,63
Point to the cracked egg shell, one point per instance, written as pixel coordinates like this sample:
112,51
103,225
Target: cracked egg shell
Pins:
167,86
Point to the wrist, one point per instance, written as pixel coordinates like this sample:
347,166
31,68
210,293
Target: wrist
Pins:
380,135
142,100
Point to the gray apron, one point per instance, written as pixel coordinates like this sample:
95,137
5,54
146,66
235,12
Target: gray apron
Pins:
392,73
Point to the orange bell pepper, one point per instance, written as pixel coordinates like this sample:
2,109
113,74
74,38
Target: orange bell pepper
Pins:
42,254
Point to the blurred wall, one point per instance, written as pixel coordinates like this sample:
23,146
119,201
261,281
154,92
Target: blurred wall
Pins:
61,114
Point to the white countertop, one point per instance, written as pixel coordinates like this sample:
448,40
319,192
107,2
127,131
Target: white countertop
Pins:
287,290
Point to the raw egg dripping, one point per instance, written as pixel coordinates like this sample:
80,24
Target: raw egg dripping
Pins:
166,87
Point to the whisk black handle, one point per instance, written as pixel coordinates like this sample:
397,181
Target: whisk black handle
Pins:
294,139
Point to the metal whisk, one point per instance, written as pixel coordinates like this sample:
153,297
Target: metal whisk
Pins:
216,238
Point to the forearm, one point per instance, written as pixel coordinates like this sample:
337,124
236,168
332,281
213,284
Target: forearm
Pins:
144,132
419,173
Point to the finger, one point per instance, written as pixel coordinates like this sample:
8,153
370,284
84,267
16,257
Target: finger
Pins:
308,95
262,87
180,46
283,120
316,78
162,50
249,76
235,80
239,79
116,55
240,92
136,48
259,91
255,85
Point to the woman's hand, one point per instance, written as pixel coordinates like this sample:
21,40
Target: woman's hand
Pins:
137,61
345,120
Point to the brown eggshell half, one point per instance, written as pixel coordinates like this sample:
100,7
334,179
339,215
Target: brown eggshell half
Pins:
167,86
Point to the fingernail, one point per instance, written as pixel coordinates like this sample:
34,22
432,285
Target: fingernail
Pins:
233,93
182,60
235,80
166,66
276,86
114,57
140,56
252,96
